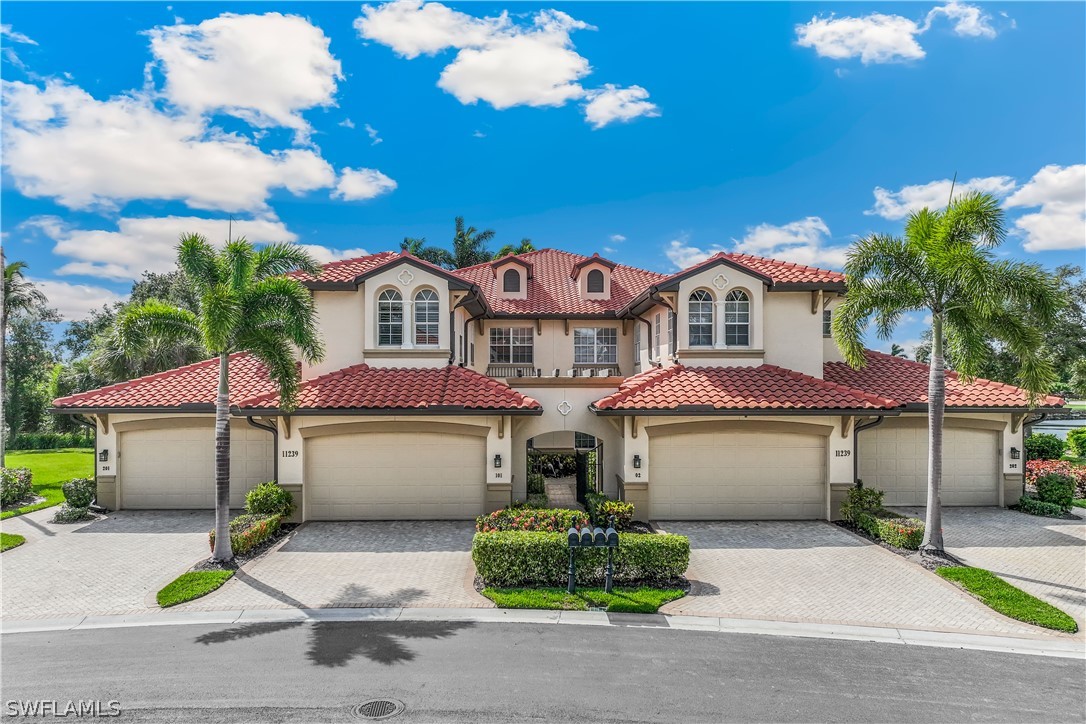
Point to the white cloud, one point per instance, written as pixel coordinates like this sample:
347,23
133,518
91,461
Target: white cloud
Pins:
682,253
612,103
969,20
412,28
324,254
617,238
478,134
262,68
15,36
802,242
357,184
60,142
895,205
347,123
1060,192
874,38
144,244
375,137
75,301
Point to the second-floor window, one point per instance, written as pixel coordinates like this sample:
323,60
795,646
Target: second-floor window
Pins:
426,318
737,319
656,338
390,318
595,282
595,345
637,342
511,345
511,281
700,313
827,323
671,331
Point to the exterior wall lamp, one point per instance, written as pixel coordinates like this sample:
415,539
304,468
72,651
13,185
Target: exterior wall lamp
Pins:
637,462
1016,454
103,457
497,461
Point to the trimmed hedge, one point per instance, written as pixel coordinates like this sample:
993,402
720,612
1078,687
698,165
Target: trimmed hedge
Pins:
49,440
861,501
69,513
1056,489
601,508
1034,506
79,492
524,518
249,531
897,530
16,484
269,499
1043,446
514,558
1076,439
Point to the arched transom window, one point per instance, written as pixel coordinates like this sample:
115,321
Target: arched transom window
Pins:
426,317
511,281
700,313
390,318
595,282
737,319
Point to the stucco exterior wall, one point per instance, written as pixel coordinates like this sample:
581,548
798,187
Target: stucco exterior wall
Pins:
552,347
793,336
341,318
718,281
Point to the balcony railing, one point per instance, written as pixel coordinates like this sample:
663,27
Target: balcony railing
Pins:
514,371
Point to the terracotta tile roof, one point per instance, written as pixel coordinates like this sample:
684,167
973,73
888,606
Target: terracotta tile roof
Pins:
347,270
552,288
193,384
365,387
779,272
766,387
907,381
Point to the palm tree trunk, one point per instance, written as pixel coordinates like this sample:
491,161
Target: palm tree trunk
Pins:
223,550
933,524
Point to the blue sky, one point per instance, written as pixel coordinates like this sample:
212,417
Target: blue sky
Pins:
651,133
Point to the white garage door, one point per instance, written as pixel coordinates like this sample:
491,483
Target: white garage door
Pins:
895,460
737,475
175,468
395,475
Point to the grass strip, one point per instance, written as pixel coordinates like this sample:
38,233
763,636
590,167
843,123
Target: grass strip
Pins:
10,540
193,584
624,600
1009,600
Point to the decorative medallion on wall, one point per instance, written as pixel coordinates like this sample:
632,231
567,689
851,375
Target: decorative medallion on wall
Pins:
406,277
720,281
565,408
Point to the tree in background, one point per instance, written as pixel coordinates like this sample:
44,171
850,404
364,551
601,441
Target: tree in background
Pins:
433,254
20,296
469,245
523,247
944,266
896,350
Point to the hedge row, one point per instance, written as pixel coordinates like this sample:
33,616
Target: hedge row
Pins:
897,530
1035,506
49,440
249,531
542,559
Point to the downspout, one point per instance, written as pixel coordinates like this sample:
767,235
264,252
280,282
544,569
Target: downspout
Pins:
274,430
856,446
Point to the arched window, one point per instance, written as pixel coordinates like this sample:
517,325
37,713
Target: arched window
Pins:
390,318
595,281
511,281
700,314
737,319
426,317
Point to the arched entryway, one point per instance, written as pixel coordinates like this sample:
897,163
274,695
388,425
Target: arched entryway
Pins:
563,466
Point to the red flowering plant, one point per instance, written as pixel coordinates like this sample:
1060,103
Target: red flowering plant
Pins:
1039,468
547,520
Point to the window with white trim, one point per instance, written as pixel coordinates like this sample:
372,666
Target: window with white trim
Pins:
671,331
737,319
390,318
637,342
595,345
700,318
827,323
656,338
427,316
511,345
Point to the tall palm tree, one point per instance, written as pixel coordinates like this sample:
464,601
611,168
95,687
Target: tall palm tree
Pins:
896,350
245,304
433,254
944,265
523,247
20,295
469,245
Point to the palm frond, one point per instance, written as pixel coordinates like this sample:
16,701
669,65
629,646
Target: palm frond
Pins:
280,258
197,259
284,304
139,328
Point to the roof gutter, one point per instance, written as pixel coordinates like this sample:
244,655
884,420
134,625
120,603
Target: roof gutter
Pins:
709,411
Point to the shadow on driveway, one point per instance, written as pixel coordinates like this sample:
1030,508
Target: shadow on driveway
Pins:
382,536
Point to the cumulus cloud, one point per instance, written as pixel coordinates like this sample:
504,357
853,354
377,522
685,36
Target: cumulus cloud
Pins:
898,204
357,184
802,242
262,68
969,20
1060,192
324,254
75,301
682,253
501,62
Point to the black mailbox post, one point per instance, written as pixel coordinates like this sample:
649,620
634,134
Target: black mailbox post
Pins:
589,537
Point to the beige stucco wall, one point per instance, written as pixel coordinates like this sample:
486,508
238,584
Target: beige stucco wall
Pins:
552,347
340,315
718,281
793,336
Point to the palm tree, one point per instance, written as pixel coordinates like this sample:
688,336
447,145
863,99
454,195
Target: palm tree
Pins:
469,245
433,254
244,304
944,265
523,247
896,350
20,295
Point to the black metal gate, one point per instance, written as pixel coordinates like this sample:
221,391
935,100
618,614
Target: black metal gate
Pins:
589,472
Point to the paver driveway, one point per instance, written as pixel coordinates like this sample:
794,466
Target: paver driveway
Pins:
818,572
1044,556
359,564
109,566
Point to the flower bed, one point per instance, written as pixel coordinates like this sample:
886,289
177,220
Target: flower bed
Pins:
897,530
249,531
524,518
1039,468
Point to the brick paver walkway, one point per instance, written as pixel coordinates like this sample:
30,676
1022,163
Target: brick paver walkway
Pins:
1043,556
359,564
109,566
818,572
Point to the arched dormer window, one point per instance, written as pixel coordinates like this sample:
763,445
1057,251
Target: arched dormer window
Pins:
426,318
595,282
390,318
511,281
700,314
737,319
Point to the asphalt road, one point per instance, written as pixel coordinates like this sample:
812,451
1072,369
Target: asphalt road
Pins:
315,672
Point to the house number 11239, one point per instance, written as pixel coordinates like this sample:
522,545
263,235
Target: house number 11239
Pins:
842,453
290,453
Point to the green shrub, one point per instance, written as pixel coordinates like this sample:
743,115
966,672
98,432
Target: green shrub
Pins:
49,440
1076,439
538,500
1056,489
69,513
516,558
1035,506
537,484
548,520
268,499
249,531
79,492
1042,446
16,484
601,509
861,501
897,530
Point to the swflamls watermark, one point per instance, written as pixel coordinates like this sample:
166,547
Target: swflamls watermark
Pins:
77,708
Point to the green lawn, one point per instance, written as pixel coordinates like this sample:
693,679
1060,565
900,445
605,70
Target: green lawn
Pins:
193,584
51,468
625,600
1079,502
1009,600
10,540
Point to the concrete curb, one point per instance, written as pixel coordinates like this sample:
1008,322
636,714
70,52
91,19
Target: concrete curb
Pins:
870,634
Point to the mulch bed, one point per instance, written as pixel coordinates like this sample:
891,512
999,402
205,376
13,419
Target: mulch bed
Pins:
210,564
23,503
930,561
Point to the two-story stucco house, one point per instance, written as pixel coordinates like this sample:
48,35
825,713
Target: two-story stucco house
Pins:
712,393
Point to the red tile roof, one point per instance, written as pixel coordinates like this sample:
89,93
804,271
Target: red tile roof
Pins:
195,384
347,270
365,387
552,288
779,272
907,382
766,387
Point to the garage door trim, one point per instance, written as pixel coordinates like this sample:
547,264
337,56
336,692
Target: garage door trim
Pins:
682,428
350,428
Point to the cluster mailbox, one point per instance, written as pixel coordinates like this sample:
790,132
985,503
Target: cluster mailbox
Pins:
589,537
